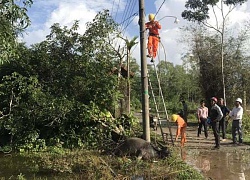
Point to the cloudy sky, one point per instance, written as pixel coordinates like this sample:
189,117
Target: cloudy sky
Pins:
45,13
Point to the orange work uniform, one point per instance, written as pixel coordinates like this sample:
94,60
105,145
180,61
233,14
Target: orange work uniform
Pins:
153,38
181,130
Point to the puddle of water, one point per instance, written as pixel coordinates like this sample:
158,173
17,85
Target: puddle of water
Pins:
219,165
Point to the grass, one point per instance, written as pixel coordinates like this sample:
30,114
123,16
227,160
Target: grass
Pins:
89,164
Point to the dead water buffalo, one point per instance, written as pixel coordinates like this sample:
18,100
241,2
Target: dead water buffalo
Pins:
140,148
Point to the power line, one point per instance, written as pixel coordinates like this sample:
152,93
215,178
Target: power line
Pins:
160,7
131,10
127,19
112,8
130,21
117,10
127,13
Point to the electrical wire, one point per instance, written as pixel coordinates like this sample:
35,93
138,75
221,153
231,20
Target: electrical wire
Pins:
127,19
131,20
164,50
125,12
160,7
126,22
117,10
112,8
129,8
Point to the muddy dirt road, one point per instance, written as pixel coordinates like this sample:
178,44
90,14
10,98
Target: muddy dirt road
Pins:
230,162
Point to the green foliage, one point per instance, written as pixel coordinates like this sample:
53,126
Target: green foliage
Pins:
246,124
206,66
234,2
58,88
245,128
198,10
92,165
176,83
14,20
21,177
182,170
135,83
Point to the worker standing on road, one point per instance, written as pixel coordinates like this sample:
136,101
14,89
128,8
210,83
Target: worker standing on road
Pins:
236,114
153,38
181,128
215,116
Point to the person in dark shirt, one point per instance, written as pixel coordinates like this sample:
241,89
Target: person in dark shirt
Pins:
222,123
184,111
215,116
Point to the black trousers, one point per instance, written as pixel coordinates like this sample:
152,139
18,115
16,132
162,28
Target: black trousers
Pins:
215,127
222,128
204,124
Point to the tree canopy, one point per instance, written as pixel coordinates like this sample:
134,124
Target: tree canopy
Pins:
198,10
55,90
206,55
14,20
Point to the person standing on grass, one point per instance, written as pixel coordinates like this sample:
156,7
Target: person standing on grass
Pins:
215,116
202,114
181,128
236,114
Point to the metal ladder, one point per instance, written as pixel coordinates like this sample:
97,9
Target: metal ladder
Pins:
159,103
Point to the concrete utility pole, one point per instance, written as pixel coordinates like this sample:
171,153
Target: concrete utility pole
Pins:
128,81
144,77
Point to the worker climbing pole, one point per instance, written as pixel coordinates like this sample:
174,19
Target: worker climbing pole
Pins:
159,110
153,36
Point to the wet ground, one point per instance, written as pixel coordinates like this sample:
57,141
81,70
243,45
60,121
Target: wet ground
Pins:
230,162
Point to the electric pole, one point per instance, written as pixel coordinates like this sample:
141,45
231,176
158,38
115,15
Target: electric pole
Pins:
144,77
128,81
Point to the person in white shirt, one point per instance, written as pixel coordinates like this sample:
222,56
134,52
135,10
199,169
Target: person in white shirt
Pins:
236,114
